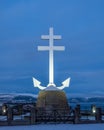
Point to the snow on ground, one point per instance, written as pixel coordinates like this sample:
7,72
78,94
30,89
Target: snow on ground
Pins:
56,127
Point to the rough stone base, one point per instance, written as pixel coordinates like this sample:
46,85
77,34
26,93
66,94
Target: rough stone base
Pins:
52,100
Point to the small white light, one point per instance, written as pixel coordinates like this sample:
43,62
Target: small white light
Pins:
94,109
4,109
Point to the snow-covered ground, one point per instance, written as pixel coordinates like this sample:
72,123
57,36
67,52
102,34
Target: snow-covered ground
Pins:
56,127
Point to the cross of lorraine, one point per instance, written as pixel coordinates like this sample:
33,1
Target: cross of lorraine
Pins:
51,48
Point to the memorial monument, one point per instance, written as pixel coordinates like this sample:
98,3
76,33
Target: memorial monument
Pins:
51,96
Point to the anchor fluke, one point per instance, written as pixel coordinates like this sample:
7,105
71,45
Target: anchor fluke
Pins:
65,84
37,84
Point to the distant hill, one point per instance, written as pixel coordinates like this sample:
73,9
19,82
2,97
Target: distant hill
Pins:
31,98
17,98
86,100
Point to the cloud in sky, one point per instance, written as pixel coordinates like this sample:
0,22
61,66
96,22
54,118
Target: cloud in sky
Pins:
81,25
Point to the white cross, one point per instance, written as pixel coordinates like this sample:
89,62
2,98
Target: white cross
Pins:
51,48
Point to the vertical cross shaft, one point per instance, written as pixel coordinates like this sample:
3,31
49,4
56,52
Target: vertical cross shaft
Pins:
51,48
51,62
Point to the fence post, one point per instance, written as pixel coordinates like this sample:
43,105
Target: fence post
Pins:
77,114
98,115
33,116
9,115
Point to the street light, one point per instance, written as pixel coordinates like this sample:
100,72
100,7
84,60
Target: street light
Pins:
93,109
4,109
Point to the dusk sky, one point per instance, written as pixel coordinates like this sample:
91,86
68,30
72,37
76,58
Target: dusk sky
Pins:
81,25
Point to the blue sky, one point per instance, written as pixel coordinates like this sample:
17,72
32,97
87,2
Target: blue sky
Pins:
81,24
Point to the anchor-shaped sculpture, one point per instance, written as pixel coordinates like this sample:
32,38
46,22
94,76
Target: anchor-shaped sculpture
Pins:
51,48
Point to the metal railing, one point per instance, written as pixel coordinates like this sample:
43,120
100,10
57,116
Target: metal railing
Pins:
25,114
